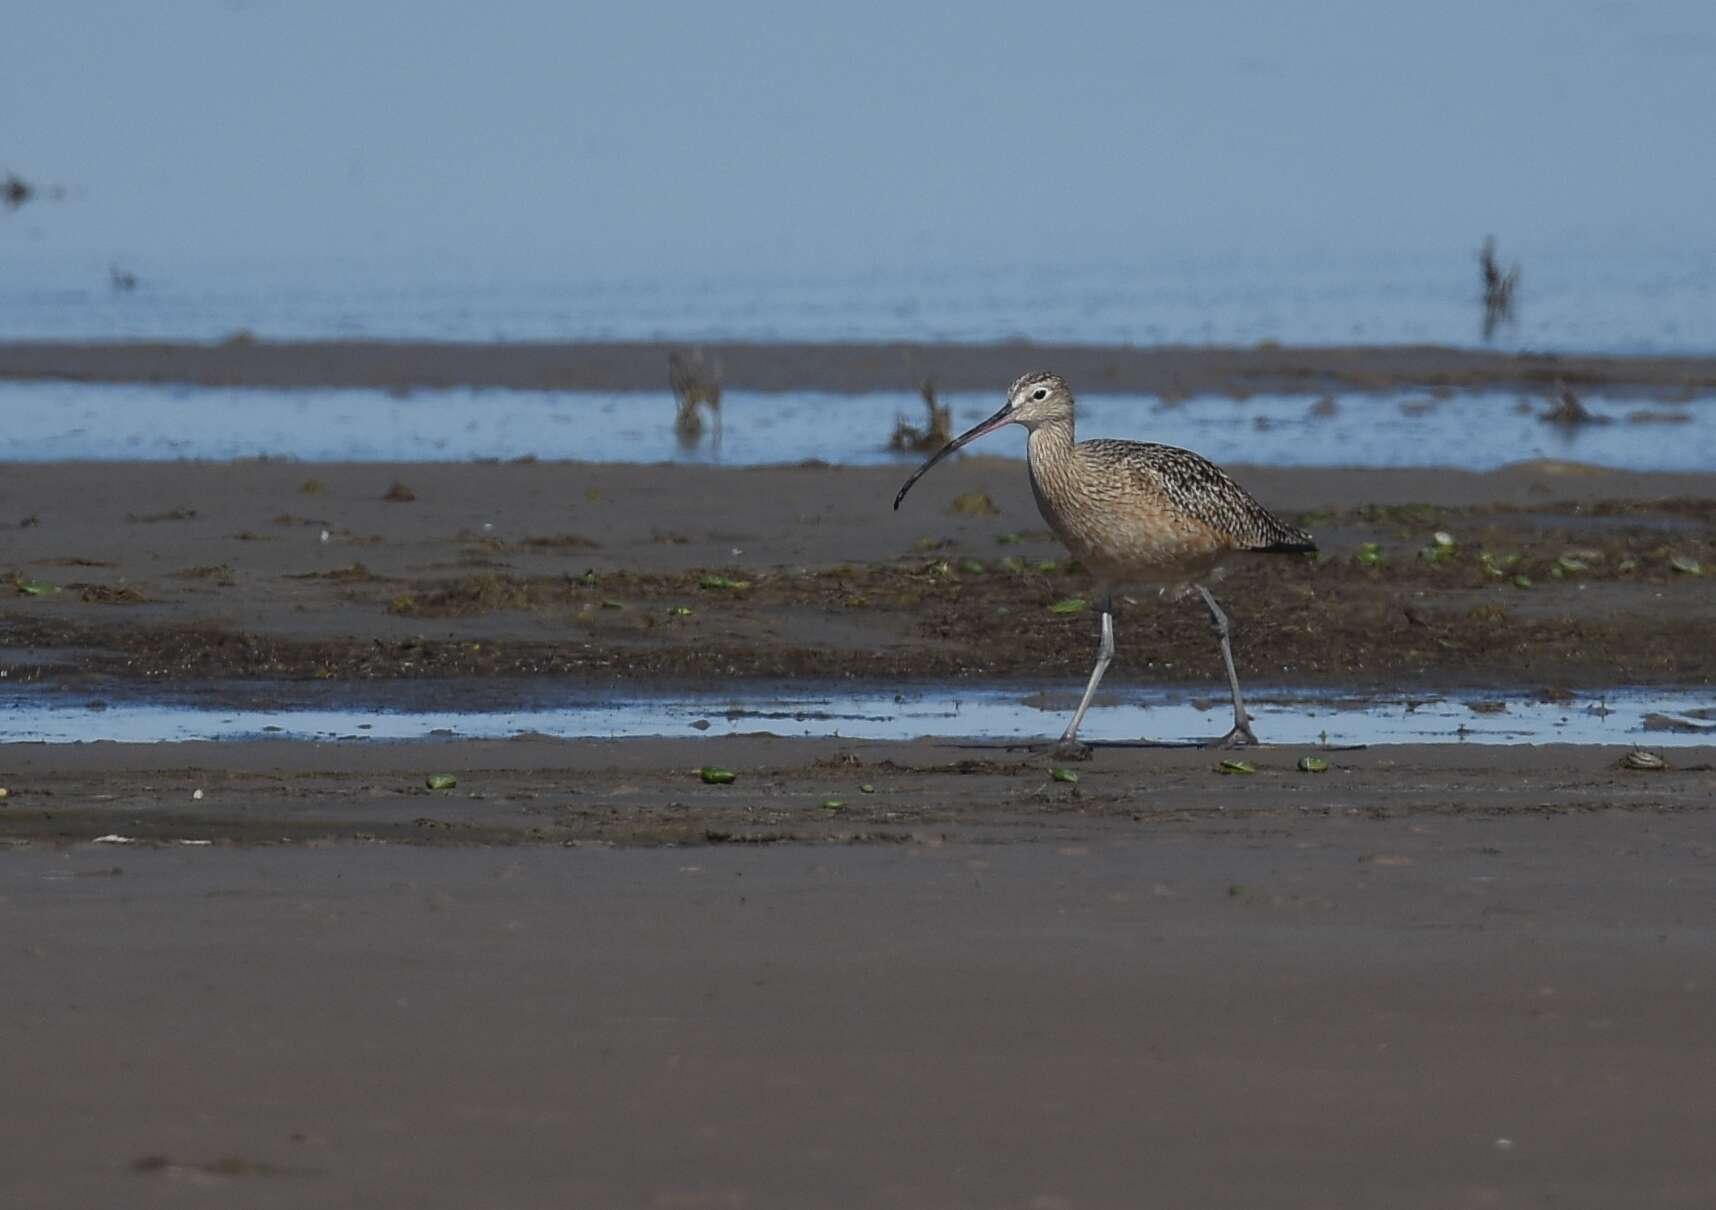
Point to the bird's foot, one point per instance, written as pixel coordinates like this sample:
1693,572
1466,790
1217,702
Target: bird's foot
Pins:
1241,736
1070,749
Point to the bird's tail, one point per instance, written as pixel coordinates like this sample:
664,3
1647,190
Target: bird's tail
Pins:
1288,541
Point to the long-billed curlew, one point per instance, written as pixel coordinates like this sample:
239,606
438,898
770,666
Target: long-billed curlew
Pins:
1133,513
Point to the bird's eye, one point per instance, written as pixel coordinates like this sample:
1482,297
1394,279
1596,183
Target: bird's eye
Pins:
1040,393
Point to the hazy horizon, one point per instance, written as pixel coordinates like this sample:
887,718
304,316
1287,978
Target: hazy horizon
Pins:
764,138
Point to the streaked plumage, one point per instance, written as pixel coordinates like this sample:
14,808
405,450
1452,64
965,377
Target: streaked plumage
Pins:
1134,514
1138,513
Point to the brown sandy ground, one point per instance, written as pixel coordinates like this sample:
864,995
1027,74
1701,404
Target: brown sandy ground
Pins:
1168,371
535,790
1406,1009
1432,976
1560,576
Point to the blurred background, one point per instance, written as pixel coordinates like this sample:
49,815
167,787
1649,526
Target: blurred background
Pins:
1319,173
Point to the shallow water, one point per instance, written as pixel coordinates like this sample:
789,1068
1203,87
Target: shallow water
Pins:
1281,716
1586,299
52,421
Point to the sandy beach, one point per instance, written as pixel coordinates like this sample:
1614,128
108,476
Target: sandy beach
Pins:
287,972
148,573
1397,1007
480,730
1172,371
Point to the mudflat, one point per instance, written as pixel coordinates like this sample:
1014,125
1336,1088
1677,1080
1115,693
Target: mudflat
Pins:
905,973
290,973
1399,1007
125,574
1166,370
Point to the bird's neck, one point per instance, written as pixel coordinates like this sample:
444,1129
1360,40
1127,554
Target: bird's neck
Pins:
1049,457
1050,443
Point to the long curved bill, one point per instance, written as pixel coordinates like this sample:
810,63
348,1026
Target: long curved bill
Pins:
1000,418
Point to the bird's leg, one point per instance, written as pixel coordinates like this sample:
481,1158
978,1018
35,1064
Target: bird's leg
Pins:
1241,733
1069,748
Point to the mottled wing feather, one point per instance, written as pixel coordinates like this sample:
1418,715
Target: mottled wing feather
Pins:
1199,488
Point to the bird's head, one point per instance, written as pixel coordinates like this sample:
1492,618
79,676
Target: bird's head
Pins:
1036,399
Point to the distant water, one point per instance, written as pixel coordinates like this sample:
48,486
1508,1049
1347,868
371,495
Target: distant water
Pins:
52,421
1573,300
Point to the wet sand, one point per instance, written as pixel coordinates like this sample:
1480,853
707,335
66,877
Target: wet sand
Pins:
1432,976
537,791
128,575
1170,371
1388,1007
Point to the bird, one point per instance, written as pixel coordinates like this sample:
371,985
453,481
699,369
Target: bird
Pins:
908,436
1498,287
1569,410
15,191
1133,514
693,381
